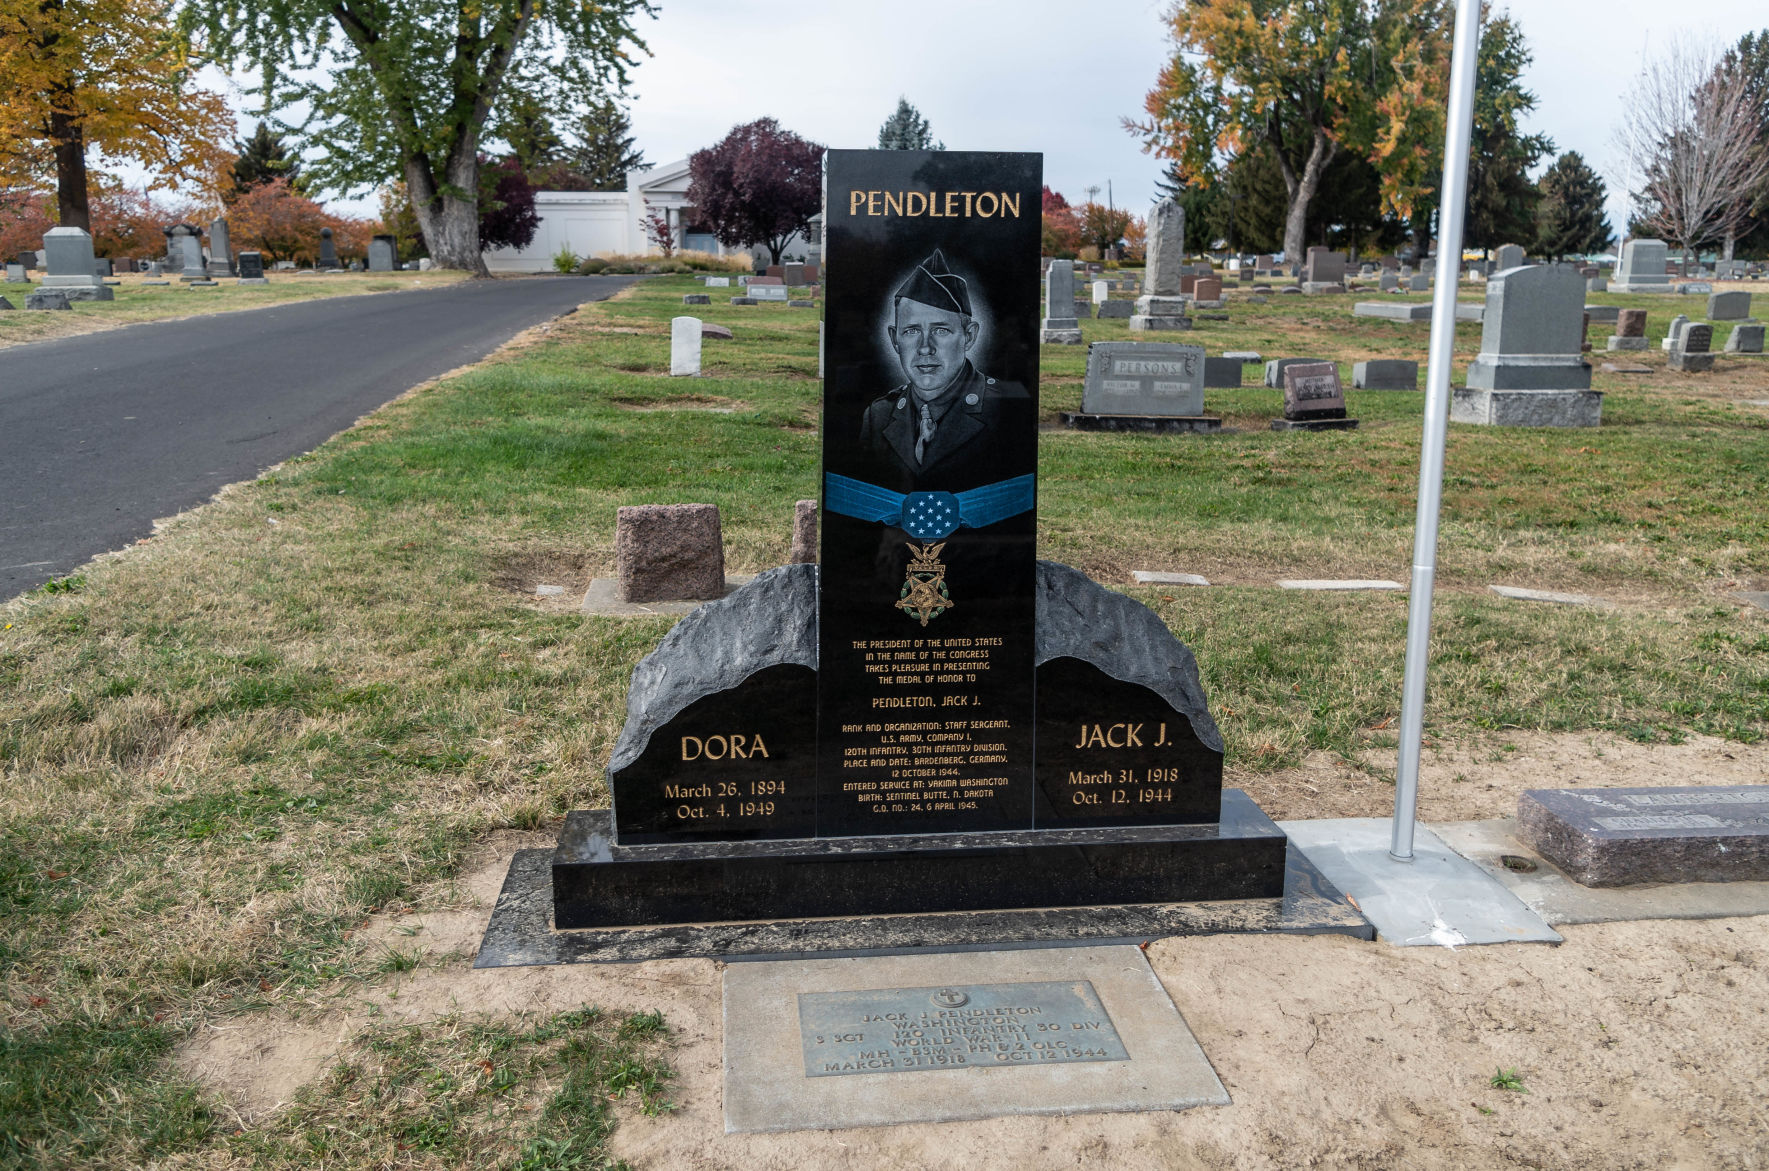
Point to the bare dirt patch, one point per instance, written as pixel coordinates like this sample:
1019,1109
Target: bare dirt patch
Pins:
525,571
1482,778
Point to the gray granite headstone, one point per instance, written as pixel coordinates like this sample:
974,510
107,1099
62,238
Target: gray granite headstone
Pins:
1419,283
1060,325
1671,332
1274,370
1508,256
72,269
1531,331
16,274
1385,374
1622,836
1745,339
1222,372
1165,251
48,299
1388,281
1642,268
1143,378
5,304
220,250
1693,351
383,254
1729,306
328,251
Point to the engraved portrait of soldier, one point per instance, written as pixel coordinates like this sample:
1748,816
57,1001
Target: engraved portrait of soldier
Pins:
942,427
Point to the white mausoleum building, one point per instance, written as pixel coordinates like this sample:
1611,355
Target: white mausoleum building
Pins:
604,223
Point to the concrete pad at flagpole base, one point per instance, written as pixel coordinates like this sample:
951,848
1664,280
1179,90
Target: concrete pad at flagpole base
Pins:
1350,583
1558,899
1439,898
800,1055
603,599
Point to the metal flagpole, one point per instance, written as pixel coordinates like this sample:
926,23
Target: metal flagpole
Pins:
1451,207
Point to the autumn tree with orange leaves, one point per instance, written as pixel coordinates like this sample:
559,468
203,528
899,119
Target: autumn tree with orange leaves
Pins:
111,76
1311,79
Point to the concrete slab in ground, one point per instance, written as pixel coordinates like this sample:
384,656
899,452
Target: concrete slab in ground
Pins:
1439,898
1758,598
1524,595
776,1077
1548,892
1352,583
1156,577
603,599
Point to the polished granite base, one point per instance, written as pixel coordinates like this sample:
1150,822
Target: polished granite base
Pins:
599,883
521,931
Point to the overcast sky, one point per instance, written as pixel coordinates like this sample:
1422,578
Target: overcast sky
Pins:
1056,76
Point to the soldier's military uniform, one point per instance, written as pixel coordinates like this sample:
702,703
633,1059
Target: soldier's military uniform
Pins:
958,455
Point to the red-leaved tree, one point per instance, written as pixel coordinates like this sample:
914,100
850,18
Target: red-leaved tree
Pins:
507,218
759,186
273,219
24,217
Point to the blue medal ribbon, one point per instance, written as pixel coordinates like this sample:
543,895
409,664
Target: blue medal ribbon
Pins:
928,516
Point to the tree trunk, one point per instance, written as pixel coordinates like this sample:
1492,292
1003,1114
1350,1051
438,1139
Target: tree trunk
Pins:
448,218
69,138
1302,189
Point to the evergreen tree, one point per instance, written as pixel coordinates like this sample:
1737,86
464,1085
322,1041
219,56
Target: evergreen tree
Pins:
526,125
602,151
264,159
907,130
1569,219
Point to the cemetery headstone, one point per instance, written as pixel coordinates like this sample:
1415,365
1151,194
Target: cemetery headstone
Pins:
1746,338
1393,310
1102,292
901,727
1729,306
252,268
48,298
1222,373
72,269
1419,283
684,346
1388,282
17,274
383,254
1641,268
5,304
1630,330
1530,371
1676,327
102,267
1314,400
1693,351
1142,386
717,282
1324,272
793,275
187,252
1208,291
1165,252
1597,284
1508,256
328,251
767,292
1060,324
220,250
665,552
1385,374
1623,836
696,299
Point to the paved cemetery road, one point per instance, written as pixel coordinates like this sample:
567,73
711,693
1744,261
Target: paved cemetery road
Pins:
102,433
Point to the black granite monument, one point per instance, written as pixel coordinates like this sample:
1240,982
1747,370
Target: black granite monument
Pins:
930,720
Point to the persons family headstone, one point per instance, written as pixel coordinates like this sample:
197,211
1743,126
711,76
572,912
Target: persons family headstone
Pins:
1642,268
1314,400
1060,324
220,250
1142,386
72,269
383,254
1530,371
929,719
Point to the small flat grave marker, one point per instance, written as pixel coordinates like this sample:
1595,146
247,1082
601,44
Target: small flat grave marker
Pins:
1617,837
1314,400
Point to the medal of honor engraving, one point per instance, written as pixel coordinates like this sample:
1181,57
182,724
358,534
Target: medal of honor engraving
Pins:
926,621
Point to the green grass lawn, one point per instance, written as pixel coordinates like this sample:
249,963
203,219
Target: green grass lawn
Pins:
310,699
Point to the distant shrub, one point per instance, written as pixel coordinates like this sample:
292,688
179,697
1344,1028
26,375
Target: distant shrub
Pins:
680,262
565,260
591,265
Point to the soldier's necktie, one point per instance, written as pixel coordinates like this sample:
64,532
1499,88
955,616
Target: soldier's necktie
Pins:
926,434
